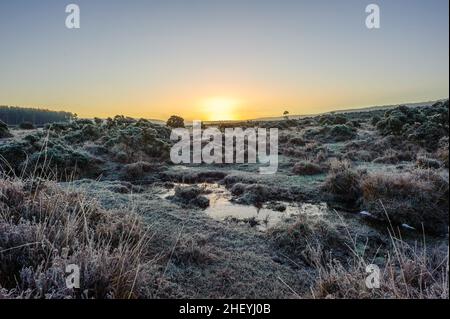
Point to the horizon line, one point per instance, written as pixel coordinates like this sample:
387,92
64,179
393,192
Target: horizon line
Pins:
349,110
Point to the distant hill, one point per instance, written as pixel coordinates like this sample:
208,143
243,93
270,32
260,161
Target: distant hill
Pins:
362,109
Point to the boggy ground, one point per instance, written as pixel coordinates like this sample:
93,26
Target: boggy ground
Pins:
382,177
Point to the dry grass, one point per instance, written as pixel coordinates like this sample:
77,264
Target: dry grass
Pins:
418,198
338,255
343,183
306,168
137,171
407,271
44,228
296,239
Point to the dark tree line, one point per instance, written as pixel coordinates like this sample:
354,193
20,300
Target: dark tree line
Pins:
12,115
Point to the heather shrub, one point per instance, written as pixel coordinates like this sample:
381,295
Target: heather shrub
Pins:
344,184
442,152
26,126
306,168
424,126
4,131
341,132
252,194
374,121
136,171
331,133
295,239
391,156
415,198
427,162
190,196
332,119
359,155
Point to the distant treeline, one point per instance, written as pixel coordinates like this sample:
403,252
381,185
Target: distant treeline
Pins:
12,115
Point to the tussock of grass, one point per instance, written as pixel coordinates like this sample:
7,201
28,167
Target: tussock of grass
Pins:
407,271
343,183
338,256
295,239
306,168
137,171
416,198
43,229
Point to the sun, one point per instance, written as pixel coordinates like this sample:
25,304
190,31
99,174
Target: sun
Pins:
220,109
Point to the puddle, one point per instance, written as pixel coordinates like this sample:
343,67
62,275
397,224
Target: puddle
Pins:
221,208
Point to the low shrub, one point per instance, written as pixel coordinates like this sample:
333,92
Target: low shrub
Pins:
4,131
26,126
442,152
427,162
190,196
406,272
252,194
424,126
306,168
344,184
295,239
137,171
44,229
414,198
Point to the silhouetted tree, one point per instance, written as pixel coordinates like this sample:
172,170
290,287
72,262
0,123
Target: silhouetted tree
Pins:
286,115
175,121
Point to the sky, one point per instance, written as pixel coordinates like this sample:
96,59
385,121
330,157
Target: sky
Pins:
221,59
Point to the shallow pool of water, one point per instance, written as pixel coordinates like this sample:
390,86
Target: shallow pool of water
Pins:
222,208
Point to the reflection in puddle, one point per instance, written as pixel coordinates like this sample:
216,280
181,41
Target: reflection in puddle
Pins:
222,208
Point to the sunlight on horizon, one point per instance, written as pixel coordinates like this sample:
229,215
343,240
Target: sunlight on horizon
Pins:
184,58
220,109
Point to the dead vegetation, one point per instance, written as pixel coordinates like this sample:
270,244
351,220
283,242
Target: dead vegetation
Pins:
43,229
418,198
392,165
306,168
406,271
344,184
341,259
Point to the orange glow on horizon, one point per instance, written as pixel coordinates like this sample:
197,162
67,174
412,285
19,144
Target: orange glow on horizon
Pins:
219,109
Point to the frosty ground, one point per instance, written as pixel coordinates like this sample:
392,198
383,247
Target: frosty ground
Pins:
351,190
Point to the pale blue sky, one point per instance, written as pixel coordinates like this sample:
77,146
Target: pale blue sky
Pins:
158,57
